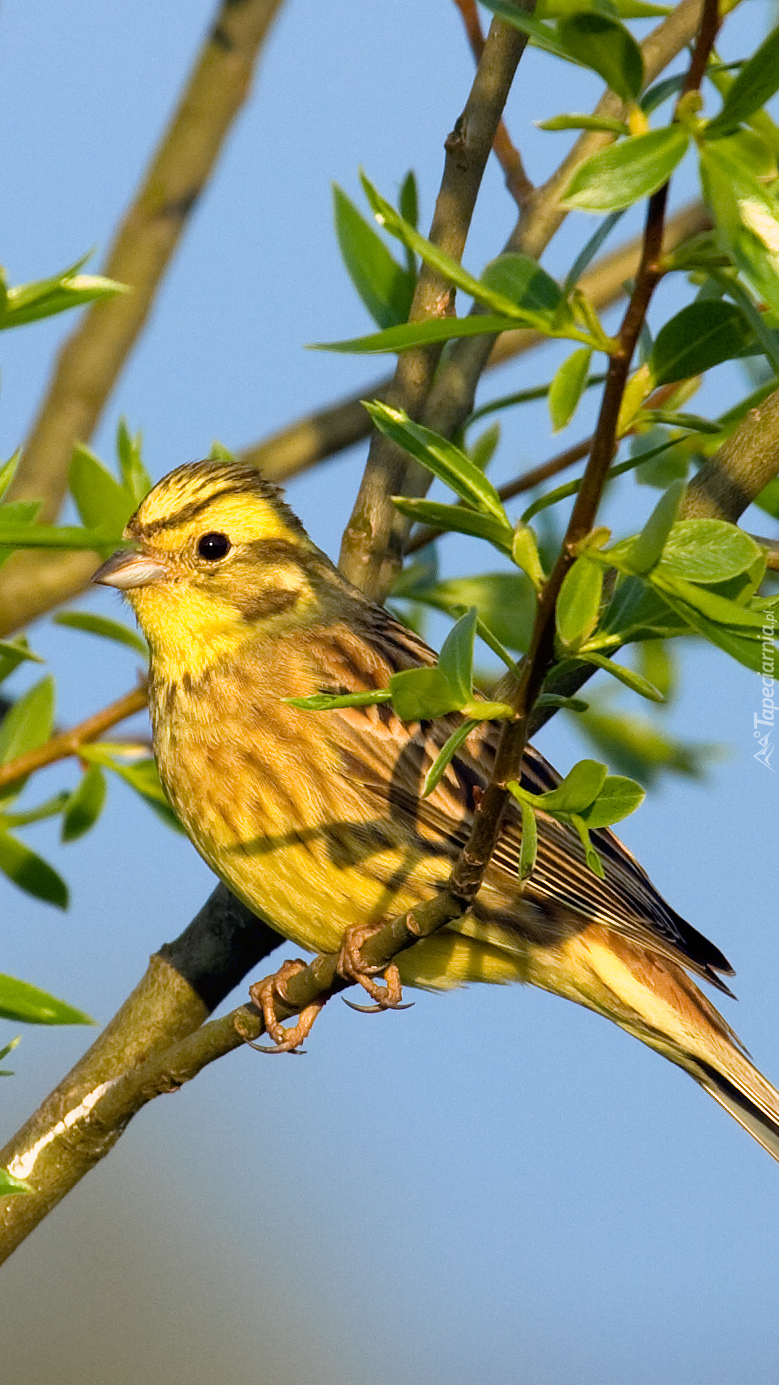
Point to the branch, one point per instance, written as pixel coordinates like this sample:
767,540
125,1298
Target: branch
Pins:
147,238
736,474
67,743
371,547
506,152
75,1127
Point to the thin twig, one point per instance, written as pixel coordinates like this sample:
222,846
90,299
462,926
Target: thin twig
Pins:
67,743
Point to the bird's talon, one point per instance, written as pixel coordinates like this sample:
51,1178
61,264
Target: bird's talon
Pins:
265,995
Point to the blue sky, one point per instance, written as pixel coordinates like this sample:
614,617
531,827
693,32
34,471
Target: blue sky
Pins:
494,1184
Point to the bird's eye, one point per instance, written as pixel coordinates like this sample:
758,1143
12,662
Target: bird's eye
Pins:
213,546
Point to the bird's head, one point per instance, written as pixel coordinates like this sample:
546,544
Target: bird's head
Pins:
216,557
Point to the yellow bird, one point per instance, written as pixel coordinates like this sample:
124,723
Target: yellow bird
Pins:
315,820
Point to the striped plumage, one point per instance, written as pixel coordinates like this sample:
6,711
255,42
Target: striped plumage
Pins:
315,819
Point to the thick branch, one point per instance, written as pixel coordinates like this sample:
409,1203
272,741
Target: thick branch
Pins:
147,238
370,551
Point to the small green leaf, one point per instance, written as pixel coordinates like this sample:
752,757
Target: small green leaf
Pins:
594,861
45,297
85,804
30,872
626,172
529,845
440,456
708,550
568,386
618,798
21,1001
56,536
426,333
408,199
105,628
141,775
384,286
628,676
422,694
747,221
8,471
455,661
325,702
578,605
458,519
11,1186
702,335
575,121
135,477
100,499
606,47
13,653
524,283
29,723
646,549
755,84
577,790
768,499
445,756
524,552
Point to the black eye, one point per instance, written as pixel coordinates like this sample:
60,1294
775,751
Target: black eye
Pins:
213,546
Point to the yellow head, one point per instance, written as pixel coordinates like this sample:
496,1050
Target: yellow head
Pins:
218,558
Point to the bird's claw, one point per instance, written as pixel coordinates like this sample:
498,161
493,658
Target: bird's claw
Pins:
351,966
266,994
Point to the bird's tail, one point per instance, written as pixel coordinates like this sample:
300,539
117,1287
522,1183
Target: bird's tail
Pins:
652,998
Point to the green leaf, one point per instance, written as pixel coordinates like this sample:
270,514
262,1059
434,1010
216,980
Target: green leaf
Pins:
45,297
29,723
422,694
50,808
708,550
104,627
747,219
628,676
646,549
458,519
576,791
523,282
30,872
441,457
408,199
100,500
141,775
529,844
325,702
626,172
755,84
21,1001
425,333
606,47
578,605
13,653
8,471
568,386
575,121
445,756
768,499
11,1186
618,798
702,335
85,804
56,536
135,477
455,661
384,286
709,603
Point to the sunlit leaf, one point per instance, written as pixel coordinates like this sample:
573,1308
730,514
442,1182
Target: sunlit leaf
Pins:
21,1001
30,872
627,171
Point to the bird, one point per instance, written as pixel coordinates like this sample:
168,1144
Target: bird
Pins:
316,820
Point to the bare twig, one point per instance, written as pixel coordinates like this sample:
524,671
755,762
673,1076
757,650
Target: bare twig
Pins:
371,552
67,743
506,152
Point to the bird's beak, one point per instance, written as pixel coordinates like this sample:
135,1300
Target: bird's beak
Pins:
126,570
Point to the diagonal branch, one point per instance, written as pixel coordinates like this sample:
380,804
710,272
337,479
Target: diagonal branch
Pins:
371,549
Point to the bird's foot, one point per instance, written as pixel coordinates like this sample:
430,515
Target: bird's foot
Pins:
351,966
266,994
